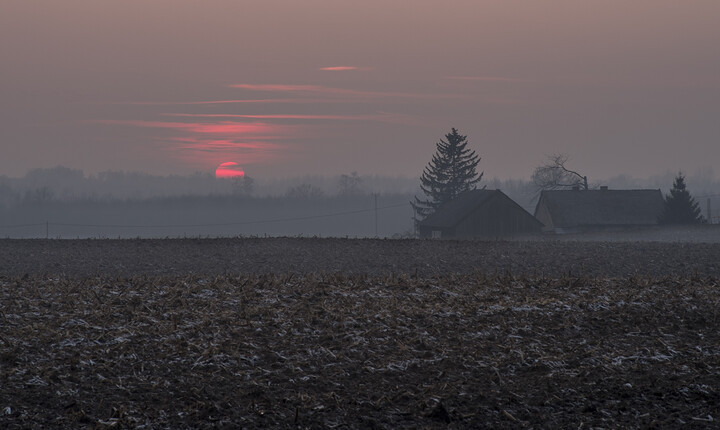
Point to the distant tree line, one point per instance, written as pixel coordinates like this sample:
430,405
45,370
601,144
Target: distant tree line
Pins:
66,184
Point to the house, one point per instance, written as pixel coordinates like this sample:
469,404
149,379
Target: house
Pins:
574,211
479,214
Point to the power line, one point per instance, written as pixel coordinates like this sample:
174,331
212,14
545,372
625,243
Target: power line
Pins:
22,225
276,220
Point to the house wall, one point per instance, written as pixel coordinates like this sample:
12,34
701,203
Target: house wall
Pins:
433,232
600,229
499,217
543,215
564,211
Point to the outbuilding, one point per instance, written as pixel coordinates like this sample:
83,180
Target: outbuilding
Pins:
576,211
479,214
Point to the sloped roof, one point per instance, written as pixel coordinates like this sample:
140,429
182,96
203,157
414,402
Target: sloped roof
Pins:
572,208
455,210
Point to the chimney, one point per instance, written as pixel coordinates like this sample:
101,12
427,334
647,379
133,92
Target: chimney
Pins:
603,188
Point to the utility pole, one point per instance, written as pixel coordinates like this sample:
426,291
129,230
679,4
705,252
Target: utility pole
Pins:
376,215
414,218
709,212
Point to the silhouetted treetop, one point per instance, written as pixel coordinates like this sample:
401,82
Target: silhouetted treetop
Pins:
452,171
554,175
680,207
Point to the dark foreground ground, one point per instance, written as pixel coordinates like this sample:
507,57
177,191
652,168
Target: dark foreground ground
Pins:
358,334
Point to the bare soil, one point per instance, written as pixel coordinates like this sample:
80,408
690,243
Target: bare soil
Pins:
331,333
129,257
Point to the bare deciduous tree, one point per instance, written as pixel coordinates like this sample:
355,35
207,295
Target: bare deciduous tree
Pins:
243,185
553,175
304,191
350,184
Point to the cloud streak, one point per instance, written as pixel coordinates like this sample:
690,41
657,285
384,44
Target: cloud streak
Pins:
385,117
344,68
217,140
223,145
487,79
215,151
341,92
263,137
339,68
219,102
214,145
262,130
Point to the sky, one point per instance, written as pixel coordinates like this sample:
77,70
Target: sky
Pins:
286,88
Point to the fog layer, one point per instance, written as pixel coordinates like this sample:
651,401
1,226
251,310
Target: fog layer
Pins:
65,203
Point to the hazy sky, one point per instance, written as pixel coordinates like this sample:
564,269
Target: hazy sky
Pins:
287,88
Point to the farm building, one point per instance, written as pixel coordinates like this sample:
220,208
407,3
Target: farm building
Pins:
479,214
571,211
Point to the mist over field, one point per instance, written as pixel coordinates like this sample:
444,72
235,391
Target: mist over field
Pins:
66,203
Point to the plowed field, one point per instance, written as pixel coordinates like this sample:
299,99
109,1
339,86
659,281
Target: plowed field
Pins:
311,333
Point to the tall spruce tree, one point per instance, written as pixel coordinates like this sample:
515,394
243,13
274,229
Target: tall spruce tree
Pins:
451,172
680,207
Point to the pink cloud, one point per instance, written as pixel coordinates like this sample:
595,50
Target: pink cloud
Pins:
213,142
340,68
285,88
236,101
259,130
275,116
232,128
213,136
214,145
379,117
229,169
210,151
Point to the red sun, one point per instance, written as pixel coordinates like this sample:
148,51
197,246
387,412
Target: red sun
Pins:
230,169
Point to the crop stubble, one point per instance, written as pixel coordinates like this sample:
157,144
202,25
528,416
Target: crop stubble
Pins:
402,349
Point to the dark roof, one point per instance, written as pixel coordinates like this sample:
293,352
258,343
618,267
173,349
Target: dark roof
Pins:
570,208
455,210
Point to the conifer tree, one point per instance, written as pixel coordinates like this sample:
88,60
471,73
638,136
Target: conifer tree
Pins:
680,207
451,172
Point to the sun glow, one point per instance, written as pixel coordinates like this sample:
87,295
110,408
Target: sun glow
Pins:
230,169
